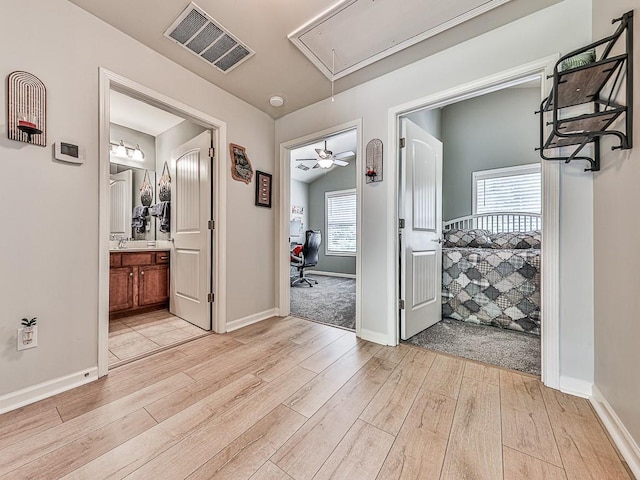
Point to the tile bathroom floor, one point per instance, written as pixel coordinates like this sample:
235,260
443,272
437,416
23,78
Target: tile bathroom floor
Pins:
131,337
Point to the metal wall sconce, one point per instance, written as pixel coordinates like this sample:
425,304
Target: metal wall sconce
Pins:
27,120
373,161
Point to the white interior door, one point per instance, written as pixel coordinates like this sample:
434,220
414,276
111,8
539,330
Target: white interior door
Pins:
120,192
190,212
421,251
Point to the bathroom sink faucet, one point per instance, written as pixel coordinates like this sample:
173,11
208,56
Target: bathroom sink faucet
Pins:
122,241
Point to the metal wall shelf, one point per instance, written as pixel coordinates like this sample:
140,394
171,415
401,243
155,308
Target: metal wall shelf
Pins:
592,85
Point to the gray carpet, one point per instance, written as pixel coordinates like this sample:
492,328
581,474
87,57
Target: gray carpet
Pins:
504,348
331,301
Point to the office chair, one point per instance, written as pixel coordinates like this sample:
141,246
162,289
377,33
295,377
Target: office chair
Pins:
309,257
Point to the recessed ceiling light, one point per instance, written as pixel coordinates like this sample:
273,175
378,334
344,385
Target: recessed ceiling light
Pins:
276,101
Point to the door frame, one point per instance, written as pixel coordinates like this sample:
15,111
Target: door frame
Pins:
108,81
283,253
550,269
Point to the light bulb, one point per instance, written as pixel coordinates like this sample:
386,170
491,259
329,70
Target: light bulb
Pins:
121,151
325,163
137,154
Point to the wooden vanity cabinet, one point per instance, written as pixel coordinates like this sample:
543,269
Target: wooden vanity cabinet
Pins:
138,282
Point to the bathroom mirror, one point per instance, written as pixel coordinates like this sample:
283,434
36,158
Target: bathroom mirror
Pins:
128,217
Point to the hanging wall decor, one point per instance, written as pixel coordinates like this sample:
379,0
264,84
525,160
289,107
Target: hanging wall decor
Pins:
146,190
373,161
241,169
164,185
27,116
263,189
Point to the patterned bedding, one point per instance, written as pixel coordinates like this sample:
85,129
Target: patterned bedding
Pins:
484,282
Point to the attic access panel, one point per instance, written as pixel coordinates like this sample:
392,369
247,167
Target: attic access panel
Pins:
198,33
364,31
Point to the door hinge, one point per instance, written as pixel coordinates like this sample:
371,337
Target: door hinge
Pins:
212,152
401,223
401,304
211,224
210,297
402,142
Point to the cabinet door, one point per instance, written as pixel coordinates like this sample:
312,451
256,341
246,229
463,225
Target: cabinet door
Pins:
153,285
120,289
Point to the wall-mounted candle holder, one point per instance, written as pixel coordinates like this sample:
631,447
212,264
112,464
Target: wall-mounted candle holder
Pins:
27,116
373,161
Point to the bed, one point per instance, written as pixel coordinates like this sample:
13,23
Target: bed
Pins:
491,270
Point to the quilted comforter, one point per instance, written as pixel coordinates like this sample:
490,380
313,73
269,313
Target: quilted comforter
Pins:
492,286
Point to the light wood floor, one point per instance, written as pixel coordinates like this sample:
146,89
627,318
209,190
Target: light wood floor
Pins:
139,335
287,398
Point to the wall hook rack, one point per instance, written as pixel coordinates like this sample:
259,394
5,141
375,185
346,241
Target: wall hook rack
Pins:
596,84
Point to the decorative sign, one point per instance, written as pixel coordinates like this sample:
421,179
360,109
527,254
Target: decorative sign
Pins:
241,169
373,161
27,109
263,189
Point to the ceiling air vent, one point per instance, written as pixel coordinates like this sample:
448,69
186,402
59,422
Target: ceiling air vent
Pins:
201,35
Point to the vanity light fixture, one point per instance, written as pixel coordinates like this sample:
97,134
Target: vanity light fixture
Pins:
121,150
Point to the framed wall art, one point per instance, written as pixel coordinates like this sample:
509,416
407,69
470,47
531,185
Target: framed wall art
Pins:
263,189
241,169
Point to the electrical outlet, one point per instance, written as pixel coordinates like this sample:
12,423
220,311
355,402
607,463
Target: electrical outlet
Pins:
27,338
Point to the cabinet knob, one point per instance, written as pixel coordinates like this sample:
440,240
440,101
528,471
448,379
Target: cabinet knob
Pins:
131,274
141,273
163,258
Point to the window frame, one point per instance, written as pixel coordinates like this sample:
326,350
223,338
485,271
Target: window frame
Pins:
526,169
327,196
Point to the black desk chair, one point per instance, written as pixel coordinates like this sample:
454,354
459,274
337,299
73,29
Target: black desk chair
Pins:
309,257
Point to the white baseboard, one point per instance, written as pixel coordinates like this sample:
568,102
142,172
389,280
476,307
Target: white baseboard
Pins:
251,319
331,274
375,337
575,386
28,395
627,446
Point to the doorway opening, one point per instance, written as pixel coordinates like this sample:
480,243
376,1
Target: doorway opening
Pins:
320,227
159,195
515,303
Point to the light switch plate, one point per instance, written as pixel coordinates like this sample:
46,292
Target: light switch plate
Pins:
21,339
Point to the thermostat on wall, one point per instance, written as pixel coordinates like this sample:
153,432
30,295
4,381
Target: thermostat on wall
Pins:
68,152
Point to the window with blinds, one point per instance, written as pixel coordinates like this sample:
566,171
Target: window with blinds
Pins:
340,209
510,189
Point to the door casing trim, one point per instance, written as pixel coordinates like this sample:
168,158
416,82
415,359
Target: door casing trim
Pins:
550,271
283,254
109,80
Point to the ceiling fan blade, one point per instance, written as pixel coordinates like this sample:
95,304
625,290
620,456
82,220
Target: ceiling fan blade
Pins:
346,154
340,163
306,160
317,165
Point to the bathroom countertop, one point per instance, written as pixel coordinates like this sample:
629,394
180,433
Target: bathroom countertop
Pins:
140,246
138,249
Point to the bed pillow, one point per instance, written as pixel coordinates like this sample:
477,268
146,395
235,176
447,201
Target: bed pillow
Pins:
466,238
516,240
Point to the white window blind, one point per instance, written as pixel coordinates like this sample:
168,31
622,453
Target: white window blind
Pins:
511,189
341,222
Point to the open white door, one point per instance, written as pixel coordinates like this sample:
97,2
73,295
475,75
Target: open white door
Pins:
120,193
190,213
420,249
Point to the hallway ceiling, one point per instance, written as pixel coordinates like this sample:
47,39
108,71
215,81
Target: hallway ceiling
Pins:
278,67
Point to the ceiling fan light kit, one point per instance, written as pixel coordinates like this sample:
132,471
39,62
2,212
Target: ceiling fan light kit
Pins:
326,158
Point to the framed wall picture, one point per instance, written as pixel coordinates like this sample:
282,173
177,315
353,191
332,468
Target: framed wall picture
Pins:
263,189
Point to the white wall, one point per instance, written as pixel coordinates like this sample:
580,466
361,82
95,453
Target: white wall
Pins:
617,263
557,29
49,245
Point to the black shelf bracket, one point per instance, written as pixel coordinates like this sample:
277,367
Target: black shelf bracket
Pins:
596,86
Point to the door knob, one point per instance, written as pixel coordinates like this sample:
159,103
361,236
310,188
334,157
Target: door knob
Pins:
438,240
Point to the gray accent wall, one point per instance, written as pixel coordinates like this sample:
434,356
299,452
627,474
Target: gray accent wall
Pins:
340,178
300,198
491,131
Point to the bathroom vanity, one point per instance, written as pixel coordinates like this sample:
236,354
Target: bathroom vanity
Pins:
138,282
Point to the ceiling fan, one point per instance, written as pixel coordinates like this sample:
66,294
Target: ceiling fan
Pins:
326,158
